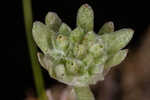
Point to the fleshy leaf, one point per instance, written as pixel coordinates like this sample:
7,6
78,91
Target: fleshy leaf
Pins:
97,77
41,58
89,38
46,63
53,21
96,49
117,40
97,69
79,50
85,18
42,36
76,35
106,28
101,59
88,60
96,74
116,59
64,29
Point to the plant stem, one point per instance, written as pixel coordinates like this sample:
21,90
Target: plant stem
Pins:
38,78
83,93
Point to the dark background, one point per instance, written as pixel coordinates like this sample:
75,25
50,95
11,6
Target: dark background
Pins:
123,14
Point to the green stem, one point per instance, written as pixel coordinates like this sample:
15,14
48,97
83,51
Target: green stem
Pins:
83,93
38,78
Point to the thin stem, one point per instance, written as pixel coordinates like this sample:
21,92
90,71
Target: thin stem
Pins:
38,78
83,93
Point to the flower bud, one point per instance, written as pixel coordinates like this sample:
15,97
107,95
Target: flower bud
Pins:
62,42
74,66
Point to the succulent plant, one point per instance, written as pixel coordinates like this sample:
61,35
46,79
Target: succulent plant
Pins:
79,57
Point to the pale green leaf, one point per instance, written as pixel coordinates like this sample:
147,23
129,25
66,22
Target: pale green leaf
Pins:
117,40
76,35
85,18
64,29
79,50
106,28
42,36
116,58
46,63
53,21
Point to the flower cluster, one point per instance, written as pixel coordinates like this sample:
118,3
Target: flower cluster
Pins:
79,57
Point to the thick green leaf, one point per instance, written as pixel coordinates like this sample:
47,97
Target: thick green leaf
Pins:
42,36
116,58
46,63
41,58
53,21
117,40
90,36
64,29
79,50
96,77
106,28
97,49
76,35
85,18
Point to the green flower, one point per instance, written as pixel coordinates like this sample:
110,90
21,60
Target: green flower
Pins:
79,57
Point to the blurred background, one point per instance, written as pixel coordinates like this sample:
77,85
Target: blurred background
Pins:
128,81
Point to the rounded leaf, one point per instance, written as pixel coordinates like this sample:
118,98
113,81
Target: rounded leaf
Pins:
47,64
79,50
117,40
64,29
85,18
106,28
53,21
42,36
76,35
116,58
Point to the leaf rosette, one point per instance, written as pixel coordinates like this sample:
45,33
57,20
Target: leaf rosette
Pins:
79,57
